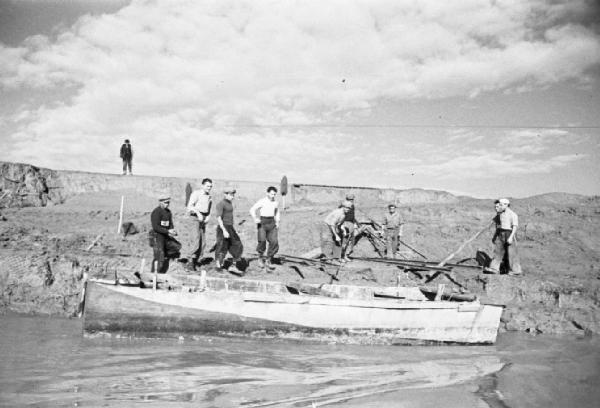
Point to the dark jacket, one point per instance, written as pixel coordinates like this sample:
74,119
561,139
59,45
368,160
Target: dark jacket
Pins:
126,151
162,220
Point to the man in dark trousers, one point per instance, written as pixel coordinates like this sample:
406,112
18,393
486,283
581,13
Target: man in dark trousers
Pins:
227,238
331,232
351,227
505,240
265,213
127,156
199,206
163,233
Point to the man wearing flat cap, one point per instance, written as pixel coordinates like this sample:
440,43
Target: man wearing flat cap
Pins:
227,238
392,230
331,231
505,240
163,232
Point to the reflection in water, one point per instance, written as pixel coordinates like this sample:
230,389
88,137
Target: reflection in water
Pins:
46,362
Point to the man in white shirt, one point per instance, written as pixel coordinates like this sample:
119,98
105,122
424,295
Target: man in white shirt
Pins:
265,213
198,209
505,240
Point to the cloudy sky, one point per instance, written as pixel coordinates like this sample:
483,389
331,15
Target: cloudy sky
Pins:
485,98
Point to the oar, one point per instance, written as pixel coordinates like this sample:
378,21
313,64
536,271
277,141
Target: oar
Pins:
412,249
460,248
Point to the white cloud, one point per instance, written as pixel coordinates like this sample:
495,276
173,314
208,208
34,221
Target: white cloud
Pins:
190,82
509,153
493,166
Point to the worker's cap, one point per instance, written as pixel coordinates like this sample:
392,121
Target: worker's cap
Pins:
347,204
229,189
165,199
349,196
504,201
391,205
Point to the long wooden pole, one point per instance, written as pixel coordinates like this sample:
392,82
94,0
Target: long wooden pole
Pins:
94,242
412,249
155,283
121,215
460,248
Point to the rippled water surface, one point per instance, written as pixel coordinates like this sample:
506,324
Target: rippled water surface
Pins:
46,362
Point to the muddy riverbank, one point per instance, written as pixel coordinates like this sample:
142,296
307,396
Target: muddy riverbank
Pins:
49,225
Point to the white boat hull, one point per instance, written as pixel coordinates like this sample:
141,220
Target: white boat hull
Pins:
135,311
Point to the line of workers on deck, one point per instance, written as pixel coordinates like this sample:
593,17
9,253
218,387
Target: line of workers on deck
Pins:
338,231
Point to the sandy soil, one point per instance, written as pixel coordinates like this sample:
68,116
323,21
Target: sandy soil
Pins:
43,250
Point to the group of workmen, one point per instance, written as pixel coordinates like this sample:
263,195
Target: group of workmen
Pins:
338,232
265,213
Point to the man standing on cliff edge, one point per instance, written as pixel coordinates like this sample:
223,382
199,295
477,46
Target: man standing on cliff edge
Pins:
127,156
505,240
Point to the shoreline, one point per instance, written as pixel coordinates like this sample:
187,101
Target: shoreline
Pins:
46,246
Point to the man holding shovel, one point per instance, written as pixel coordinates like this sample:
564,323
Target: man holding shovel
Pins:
332,232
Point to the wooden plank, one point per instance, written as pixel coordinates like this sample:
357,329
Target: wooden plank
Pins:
94,242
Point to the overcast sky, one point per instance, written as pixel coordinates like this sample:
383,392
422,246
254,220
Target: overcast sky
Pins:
484,98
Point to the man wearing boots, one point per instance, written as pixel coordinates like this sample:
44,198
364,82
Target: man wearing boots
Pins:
351,227
331,232
392,230
505,240
199,207
227,238
163,234
267,223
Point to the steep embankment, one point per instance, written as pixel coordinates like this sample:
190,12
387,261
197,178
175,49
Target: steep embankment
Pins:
52,218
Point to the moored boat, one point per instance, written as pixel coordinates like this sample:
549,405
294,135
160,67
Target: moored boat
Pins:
200,305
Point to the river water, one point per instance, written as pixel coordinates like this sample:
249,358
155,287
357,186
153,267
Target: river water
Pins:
46,362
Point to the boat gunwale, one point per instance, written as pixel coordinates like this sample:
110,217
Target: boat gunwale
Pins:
314,300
